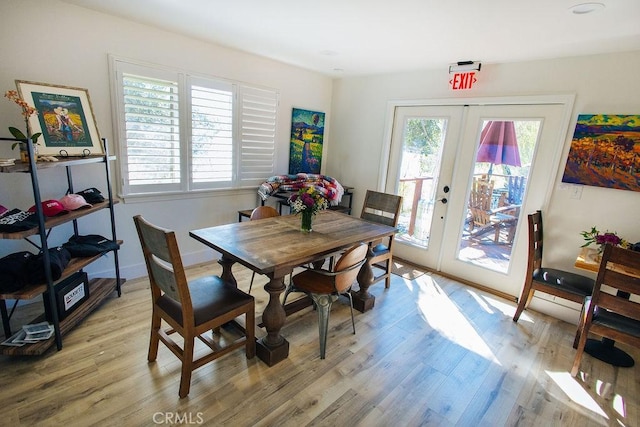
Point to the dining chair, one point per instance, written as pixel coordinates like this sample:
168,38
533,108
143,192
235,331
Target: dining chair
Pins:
190,308
614,313
382,208
324,287
563,284
261,212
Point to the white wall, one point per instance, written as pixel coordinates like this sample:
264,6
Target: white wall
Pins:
53,42
602,84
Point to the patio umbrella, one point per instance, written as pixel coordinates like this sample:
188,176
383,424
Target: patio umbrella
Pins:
498,145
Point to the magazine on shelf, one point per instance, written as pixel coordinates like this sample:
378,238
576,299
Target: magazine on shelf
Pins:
30,334
37,328
16,340
38,336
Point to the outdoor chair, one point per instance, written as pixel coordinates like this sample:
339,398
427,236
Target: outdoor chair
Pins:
483,219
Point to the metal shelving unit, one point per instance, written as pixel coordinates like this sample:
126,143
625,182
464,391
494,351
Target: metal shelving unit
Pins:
99,288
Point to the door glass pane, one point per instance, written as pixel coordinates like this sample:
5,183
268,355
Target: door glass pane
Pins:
421,155
503,159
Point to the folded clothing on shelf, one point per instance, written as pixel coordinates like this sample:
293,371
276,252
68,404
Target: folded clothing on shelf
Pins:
17,220
23,268
89,245
59,258
13,271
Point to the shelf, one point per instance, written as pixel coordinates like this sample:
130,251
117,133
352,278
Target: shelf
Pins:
99,289
58,220
32,291
21,166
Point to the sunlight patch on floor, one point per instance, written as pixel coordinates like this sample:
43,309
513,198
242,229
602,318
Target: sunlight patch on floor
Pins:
444,316
619,405
478,256
498,304
575,391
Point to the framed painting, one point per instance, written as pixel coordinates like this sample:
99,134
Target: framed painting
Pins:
605,152
307,137
65,118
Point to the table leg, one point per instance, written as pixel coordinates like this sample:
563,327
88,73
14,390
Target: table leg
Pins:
273,348
362,299
227,275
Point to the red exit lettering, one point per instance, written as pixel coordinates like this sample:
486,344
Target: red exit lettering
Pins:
463,80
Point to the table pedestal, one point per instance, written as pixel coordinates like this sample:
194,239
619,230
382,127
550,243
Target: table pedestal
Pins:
272,355
362,299
606,351
273,348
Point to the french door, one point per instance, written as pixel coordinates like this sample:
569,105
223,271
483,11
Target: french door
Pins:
436,165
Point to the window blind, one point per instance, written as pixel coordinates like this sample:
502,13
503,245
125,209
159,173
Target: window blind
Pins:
151,115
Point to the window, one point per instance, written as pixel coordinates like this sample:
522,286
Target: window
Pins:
181,133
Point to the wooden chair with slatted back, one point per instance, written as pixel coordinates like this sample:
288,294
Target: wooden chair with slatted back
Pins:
485,219
563,284
382,208
614,313
191,309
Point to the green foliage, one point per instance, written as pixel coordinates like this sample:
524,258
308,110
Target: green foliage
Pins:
422,136
17,134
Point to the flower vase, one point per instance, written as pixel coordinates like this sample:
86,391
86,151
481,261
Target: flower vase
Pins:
306,219
24,152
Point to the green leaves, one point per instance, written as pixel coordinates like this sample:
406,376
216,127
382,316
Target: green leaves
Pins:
17,134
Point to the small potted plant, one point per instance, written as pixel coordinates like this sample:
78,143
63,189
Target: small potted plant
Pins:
27,111
600,239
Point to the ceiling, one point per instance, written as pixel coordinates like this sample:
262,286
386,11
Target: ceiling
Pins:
362,37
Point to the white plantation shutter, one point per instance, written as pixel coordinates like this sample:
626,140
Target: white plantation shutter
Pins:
152,130
181,133
258,109
211,132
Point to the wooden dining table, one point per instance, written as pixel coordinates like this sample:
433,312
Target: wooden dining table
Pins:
275,246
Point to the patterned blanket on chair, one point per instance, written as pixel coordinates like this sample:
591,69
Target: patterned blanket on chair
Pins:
329,187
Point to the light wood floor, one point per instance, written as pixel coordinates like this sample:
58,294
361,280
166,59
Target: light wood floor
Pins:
431,352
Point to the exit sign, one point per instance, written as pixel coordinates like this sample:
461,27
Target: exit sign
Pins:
463,80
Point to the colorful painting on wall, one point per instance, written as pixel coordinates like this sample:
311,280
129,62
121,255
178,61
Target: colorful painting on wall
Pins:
307,136
605,152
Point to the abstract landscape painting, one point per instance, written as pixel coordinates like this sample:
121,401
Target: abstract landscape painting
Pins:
605,152
307,137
